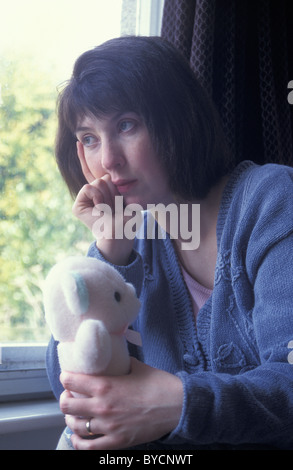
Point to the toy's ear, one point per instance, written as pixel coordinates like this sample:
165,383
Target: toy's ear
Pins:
76,293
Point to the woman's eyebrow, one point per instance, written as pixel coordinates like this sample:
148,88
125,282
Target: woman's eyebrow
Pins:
83,129
112,118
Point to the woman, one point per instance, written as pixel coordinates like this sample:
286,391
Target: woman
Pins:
216,320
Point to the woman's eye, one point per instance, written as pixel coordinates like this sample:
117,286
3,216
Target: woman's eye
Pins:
126,126
88,140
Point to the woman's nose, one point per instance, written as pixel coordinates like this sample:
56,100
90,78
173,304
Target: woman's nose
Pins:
112,154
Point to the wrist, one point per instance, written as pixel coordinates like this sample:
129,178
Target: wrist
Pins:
116,252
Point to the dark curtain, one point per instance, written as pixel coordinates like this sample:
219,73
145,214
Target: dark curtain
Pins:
242,53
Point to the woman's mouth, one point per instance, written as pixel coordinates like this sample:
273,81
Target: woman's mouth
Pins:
123,186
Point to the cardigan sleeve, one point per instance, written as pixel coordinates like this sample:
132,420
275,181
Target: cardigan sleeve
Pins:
53,368
133,272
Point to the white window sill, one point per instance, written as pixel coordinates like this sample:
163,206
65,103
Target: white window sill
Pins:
23,372
30,415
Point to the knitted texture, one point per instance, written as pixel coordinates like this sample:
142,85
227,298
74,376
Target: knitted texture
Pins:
233,361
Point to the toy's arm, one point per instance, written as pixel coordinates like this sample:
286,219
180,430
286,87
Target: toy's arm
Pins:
92,348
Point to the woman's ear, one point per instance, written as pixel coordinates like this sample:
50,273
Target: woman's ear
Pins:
85,169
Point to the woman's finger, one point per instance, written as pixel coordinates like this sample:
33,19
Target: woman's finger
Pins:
102,186
75,406
85,169
102,442
85,202
85,384
112,188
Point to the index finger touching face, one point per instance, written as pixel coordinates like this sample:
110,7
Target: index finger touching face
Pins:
85,169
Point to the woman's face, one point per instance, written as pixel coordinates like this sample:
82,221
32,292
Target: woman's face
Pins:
120,145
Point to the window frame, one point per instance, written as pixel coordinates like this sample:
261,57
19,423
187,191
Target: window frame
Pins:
149,17
23,365
23,372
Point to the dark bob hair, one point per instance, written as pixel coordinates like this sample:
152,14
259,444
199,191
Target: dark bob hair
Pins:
146,75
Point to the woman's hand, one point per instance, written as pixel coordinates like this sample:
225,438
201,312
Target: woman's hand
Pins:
125,411
95,207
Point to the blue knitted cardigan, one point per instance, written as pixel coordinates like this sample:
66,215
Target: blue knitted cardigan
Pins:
234,359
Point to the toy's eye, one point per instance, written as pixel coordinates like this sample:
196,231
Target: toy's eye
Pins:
117,296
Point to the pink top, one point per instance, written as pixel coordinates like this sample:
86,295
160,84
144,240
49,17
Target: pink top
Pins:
199,294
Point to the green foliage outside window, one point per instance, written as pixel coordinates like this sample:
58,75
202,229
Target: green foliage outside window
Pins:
36,224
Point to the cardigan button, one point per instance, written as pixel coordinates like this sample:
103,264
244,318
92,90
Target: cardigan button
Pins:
147,273
190,359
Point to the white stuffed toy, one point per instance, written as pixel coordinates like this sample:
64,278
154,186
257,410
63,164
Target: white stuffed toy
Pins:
88,307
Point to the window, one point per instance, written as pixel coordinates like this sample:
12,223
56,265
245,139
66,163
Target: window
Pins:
39,41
